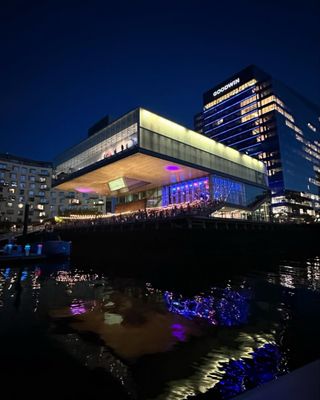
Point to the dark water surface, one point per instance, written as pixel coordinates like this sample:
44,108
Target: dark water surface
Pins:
76,331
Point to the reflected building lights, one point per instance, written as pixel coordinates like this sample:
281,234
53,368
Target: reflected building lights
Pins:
295,276
77,307
215,366
227,307
179,332
225,367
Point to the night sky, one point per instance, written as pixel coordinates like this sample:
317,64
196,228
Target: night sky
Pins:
66,64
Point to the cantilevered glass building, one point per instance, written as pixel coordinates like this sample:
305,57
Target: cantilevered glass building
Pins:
144,160
254,113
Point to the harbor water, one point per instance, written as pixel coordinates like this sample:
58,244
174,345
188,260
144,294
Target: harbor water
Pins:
84,331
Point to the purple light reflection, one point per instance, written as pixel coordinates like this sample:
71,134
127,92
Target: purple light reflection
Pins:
77,308
172,168
179,332
83,189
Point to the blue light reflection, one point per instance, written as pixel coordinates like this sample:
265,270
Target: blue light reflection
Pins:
225,307
267,363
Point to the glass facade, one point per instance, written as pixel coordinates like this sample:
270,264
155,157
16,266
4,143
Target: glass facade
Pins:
120,135
265,119
228,175
188,191
213,187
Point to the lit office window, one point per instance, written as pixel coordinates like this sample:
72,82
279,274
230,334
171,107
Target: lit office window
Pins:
248,101
248,109
248,117
313,128
294,127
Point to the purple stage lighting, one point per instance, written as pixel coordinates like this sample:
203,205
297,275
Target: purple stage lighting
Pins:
172,168
84,190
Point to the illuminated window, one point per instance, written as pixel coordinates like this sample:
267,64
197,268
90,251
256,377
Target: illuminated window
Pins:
248,117
267,100
287,115
294,127
248,109
267,109
219,122
248,101
313,128
314,181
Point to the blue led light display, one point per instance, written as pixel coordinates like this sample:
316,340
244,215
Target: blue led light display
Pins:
228,190
188,191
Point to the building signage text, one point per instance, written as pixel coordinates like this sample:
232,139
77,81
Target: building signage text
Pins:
227,86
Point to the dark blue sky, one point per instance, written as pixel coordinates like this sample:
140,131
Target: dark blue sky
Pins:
65,64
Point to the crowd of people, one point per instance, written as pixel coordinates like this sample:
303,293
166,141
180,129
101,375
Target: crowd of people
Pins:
203,208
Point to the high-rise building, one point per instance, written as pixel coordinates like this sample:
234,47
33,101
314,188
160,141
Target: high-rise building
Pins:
24,181
262,117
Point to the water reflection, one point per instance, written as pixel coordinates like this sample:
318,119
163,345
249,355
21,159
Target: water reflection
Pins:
225,339
267,363
296,275
131,327
223,306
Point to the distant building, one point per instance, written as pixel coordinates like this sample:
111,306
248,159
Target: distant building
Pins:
25,181
257,115
142,160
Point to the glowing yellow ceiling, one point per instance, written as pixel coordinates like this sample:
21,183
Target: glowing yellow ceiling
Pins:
150,171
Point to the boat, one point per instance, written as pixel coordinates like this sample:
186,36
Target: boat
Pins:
42,249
